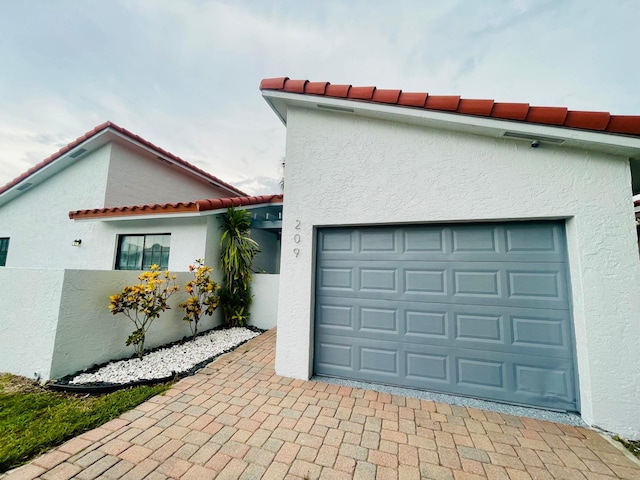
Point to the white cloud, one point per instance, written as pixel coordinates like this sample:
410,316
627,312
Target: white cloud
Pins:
185,75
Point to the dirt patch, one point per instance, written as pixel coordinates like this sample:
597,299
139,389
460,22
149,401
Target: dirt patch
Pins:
16,384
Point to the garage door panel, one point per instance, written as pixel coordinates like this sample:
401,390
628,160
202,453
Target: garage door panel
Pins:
516,283
508,378
475,239
471,309
541,239
524,330
475,242
337,278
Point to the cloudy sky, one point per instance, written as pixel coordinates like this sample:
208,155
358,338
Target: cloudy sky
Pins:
185,74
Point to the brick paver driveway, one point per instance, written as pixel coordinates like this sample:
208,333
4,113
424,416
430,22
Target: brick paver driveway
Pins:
237,419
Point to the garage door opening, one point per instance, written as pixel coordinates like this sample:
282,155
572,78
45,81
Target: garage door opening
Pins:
479,310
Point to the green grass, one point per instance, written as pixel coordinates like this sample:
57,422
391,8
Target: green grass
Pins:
34,419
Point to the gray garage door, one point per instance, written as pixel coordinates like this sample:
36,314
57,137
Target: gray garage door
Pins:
471,309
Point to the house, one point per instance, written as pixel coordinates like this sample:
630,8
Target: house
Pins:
82,223
463,246
106,167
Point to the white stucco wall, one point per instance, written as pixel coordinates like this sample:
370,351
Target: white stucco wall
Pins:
30,301
348,170
264,309
37,222
41,233
137,178
89,334
188,240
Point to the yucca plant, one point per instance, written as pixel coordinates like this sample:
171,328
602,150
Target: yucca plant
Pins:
236,260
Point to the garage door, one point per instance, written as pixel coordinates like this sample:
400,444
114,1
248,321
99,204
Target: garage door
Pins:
470,309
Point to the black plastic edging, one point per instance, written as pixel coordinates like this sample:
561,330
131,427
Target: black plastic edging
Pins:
62,385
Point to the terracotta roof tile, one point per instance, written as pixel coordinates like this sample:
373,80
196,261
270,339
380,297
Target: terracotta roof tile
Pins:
295,86
587,120
547,115
386,96
625,124
362,93
412,99
510,111
316,88
175,207
273,83
442,102
476,107
340,91
110,125
557,116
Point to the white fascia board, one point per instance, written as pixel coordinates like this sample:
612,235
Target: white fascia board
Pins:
605,142
63,161
130,218
121,218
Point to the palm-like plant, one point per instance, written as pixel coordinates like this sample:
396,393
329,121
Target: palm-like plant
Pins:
238,252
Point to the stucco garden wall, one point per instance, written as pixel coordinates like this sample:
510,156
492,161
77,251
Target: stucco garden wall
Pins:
62,324
30,300
89,334
348,170
264,309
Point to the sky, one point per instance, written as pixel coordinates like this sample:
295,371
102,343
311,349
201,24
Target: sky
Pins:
185,74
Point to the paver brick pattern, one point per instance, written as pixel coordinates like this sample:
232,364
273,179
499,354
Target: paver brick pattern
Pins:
236,419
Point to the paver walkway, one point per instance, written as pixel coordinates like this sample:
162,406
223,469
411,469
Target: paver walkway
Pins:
236,419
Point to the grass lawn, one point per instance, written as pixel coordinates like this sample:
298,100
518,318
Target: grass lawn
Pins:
34,419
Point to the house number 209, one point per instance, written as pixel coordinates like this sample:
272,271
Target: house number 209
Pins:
297,238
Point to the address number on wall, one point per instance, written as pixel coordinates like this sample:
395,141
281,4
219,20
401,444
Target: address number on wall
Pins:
297,239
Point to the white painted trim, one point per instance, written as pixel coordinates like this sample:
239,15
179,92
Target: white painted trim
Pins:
605,142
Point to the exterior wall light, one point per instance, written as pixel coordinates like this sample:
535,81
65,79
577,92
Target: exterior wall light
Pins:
76,243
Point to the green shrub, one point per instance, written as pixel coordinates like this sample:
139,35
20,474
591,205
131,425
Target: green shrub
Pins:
143,303
203,293
238,252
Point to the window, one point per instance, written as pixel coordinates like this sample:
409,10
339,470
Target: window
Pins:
139,252
4,248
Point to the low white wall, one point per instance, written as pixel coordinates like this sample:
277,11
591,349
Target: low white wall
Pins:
30,301
264,309
88,333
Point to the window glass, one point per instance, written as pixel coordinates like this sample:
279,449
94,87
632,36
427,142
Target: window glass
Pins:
139,252
4,248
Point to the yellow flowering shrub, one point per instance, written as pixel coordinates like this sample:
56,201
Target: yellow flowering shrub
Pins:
203,299
144,302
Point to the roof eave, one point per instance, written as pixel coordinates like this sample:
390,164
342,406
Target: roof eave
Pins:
60,163
107,217
617,144
95,139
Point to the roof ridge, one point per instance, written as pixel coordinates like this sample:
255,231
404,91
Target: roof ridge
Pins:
132,136
603,122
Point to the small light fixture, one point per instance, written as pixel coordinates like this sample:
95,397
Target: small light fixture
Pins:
77,243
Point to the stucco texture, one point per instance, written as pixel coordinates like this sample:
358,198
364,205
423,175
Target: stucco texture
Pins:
348,170
41,233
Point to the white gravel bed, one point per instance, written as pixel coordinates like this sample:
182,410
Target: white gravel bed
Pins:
165,361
